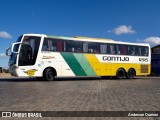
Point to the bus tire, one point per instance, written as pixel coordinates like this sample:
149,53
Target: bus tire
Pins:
131,73
120,73
49,74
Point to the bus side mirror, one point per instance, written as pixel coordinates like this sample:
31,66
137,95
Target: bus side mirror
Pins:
15,47
8,51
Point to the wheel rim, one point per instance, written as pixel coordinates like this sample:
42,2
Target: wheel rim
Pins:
50,74
120,74
131,73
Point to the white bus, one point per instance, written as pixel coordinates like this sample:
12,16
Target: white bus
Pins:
42,56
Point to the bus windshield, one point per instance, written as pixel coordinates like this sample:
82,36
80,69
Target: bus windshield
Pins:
29,50
13,56
19,39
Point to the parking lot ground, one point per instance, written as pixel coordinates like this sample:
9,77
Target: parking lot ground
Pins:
81,94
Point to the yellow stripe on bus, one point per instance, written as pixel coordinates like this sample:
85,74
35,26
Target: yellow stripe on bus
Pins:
99,68
110,69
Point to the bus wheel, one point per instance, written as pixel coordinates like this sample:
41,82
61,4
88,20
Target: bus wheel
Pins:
131,73
120,73
49,74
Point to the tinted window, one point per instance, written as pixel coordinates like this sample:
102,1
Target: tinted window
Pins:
90,47
19,39
85,47
144,51
103,48
119,49
111,49
131,50
137,50
123,49
93,47
52,45
73,46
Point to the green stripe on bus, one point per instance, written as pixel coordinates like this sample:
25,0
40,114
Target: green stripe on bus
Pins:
84,64
73,64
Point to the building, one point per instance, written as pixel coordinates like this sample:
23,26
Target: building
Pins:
155,60
155,49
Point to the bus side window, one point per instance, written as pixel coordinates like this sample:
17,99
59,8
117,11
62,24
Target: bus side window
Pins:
59,46
108,49
131,50
68,46
93,47
53,45
79,47
137,51
124,49
50,46
144,51
103,48
119,49
76,46
45,45
72,46
85,47
112,49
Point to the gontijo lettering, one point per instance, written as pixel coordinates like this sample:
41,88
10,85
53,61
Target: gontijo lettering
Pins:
112,58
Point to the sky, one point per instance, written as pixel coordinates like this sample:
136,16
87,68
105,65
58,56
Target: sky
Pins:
120,20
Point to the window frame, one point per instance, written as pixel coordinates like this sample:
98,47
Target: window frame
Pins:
85,46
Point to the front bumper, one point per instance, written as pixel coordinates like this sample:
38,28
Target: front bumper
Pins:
13,70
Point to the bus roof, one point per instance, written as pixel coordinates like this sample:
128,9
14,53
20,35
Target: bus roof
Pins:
89,39
80,38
